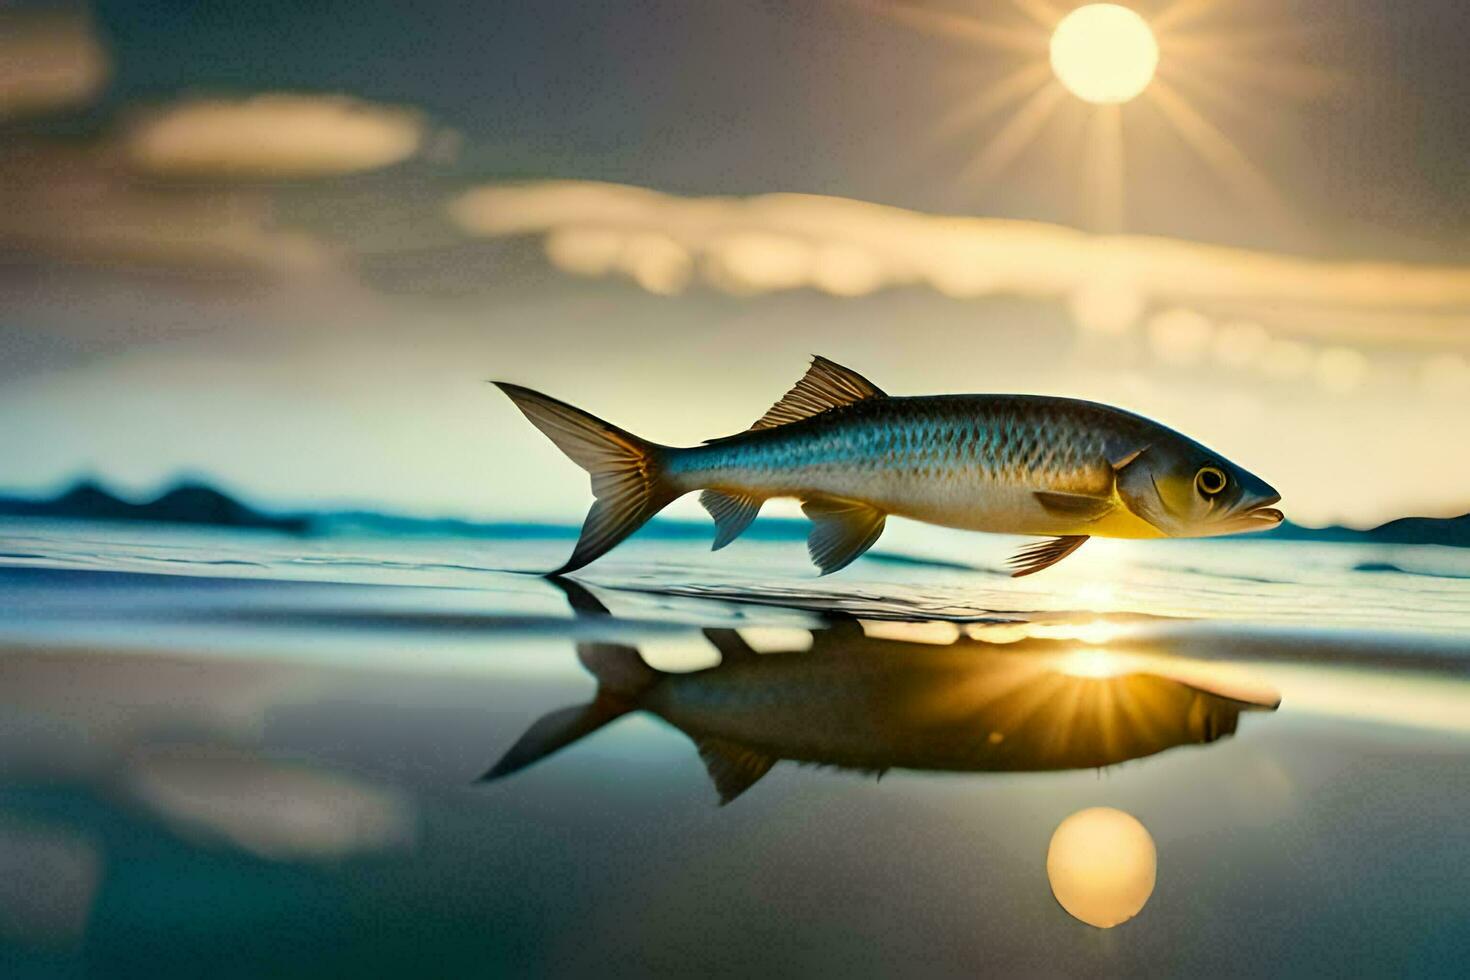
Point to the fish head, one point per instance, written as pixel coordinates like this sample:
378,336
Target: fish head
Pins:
1188,491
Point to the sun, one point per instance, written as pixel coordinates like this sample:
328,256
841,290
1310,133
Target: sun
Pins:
1104,53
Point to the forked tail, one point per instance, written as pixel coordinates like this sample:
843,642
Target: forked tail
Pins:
628,476
622,677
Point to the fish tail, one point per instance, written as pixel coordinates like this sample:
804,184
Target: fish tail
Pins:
621,677
555,731
629,474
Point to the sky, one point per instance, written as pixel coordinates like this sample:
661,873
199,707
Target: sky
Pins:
282,246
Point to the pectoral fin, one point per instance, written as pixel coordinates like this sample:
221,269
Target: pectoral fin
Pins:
1033,558
733,767
732,512
1123,455
1075,506
841,531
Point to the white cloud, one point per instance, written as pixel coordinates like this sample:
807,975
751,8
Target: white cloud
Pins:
846,247
272,136
1238,343
1179,336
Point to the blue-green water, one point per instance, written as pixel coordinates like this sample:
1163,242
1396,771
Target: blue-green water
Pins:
235,754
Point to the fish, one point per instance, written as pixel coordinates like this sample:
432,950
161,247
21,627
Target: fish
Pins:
870,704
1058,468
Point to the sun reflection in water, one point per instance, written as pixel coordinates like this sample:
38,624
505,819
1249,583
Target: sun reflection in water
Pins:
1097,632
1102,865
1092,663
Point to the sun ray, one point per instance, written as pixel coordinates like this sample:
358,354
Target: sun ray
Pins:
1012,88
1106,715
1181,12
1222,96
1103,159
1258,39
1064,709
955,26
1016,134
1303,82
1043,13
1223,156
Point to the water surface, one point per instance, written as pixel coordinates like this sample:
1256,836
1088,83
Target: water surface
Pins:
242,754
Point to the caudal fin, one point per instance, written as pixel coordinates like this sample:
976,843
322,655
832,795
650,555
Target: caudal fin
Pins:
622,677
627,473
556,731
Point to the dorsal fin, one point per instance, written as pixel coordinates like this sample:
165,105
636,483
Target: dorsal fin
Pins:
825,385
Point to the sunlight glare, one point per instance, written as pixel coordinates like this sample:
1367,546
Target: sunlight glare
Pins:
1096,596
1104,53
1095,664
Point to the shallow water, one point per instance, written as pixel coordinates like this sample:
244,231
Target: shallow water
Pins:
241,754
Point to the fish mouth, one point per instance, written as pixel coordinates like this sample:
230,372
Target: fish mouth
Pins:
1260,515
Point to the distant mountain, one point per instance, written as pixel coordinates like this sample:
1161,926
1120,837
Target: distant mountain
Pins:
1288,531
1451,531
197,503
186,503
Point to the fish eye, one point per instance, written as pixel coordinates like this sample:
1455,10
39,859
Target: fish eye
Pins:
1210,480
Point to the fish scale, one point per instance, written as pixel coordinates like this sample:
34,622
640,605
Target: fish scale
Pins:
946,459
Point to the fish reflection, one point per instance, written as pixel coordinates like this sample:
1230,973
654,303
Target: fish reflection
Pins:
859,702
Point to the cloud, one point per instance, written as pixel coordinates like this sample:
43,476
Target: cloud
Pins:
48,62
1278,317
76,205
845,247
272,136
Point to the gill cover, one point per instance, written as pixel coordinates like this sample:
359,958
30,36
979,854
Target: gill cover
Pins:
1186,490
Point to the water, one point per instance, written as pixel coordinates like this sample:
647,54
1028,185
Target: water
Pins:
241,754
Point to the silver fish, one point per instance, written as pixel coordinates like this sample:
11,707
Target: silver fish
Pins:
863,703
1013,464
